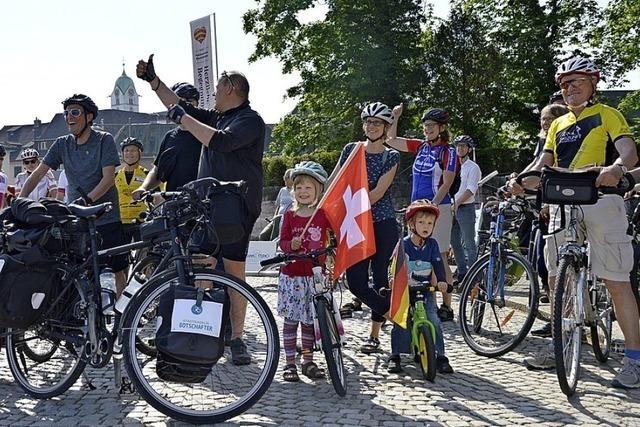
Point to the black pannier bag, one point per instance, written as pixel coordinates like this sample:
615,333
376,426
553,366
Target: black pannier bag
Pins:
26,284
190,334
228,211
569,188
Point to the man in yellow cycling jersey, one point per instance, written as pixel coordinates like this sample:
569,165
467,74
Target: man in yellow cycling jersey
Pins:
595,134
129,178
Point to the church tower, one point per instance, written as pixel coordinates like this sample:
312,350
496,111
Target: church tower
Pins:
124,96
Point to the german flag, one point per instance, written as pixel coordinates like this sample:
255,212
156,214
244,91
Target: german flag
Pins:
399,282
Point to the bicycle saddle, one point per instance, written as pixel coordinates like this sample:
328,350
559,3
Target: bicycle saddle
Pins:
90,211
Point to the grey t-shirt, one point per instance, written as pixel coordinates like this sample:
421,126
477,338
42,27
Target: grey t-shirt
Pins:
83,165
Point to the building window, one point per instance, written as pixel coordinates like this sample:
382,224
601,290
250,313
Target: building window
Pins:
117,99
42,145
17,170
130,101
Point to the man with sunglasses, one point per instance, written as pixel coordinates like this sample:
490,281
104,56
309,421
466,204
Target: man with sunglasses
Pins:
232,136
46,187
594,134
90,158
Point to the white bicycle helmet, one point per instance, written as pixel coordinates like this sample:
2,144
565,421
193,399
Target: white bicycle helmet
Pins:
29,153
312,169
577,65
379,111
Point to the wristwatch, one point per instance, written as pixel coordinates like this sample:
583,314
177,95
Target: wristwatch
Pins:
622,167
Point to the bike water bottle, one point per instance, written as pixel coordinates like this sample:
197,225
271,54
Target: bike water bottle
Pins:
128,293
108,289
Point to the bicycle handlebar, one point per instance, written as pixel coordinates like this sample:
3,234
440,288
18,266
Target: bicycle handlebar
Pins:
290,257
527,174
626,184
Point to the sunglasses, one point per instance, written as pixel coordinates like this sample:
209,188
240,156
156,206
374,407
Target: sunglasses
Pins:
74,112
573,82
228,77
430,125
30,162
376,123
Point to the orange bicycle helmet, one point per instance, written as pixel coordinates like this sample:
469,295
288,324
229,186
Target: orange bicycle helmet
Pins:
422,205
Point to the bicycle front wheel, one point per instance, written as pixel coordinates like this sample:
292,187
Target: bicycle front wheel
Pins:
567,330
228,390
497,309
331,345
426,353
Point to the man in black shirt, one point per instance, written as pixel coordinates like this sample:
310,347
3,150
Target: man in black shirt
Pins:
177,144
232,136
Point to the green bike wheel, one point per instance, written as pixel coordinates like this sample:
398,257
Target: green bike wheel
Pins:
426,353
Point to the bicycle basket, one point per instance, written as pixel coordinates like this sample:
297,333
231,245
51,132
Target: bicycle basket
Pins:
228,211
569,188
26,283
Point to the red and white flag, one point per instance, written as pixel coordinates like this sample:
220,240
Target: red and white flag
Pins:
347,207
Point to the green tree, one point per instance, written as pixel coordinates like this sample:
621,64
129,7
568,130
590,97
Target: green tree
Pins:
360,52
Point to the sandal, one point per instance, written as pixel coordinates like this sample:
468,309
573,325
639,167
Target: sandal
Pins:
311,370
291,374
371,345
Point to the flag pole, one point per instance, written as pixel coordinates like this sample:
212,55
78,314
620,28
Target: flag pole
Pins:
331,185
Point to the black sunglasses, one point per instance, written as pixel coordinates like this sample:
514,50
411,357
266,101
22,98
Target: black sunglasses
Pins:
228,77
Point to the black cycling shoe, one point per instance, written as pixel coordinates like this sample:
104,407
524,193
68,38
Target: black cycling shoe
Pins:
445,313
544,332
443,366
394,365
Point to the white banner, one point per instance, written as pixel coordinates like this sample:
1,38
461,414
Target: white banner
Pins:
203,72
259,251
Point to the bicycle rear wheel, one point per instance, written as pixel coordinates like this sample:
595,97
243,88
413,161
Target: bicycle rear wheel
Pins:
490,326
228,390
567,330
46,359
603,323
426,353
331,345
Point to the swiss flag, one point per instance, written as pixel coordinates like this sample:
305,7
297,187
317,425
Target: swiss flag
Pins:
347,207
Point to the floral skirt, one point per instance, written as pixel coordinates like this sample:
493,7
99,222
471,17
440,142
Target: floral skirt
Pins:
295,298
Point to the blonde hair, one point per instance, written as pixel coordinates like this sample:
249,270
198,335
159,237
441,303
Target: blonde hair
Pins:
316,184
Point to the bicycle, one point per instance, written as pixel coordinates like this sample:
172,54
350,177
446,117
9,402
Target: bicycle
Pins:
76,325
503,281
329,331
580,298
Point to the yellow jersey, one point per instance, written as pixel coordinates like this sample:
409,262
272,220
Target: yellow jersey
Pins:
586,140
129,211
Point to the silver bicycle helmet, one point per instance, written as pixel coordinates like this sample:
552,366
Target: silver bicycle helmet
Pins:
312,169
577,65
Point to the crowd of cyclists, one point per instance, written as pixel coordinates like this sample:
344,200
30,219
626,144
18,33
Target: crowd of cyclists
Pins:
226,143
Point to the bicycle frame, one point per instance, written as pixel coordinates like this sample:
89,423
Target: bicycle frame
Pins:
419,318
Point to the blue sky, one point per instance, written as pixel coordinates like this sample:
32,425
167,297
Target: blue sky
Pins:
53,49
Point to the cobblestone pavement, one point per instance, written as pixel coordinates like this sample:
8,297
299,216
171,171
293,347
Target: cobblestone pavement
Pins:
481,392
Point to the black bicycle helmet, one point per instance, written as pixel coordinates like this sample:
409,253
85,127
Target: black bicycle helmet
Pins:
186,91
465,139
438,115
84,101
131,141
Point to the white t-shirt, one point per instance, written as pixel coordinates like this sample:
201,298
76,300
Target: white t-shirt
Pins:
46,184
470,175
63,185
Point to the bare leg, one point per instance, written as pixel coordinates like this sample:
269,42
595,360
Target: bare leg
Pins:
238,302
626,312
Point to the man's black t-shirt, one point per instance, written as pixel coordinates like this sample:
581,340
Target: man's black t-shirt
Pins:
185,150
235,150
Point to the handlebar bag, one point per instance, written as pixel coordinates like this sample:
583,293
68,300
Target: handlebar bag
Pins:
26,284
569,188
190,334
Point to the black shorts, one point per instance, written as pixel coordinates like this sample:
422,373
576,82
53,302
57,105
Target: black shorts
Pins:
131,232
236,251
112,235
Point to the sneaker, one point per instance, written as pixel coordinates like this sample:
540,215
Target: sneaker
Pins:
544,360
239,353
443,366
445,313
372,345
394,365
544,299
544,332
629,375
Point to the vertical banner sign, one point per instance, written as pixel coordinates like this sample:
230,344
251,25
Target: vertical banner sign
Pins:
203,73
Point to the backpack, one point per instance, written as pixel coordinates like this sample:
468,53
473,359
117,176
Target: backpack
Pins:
455,185
190,337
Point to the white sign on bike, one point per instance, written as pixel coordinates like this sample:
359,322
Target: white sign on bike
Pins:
188,317
259,251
